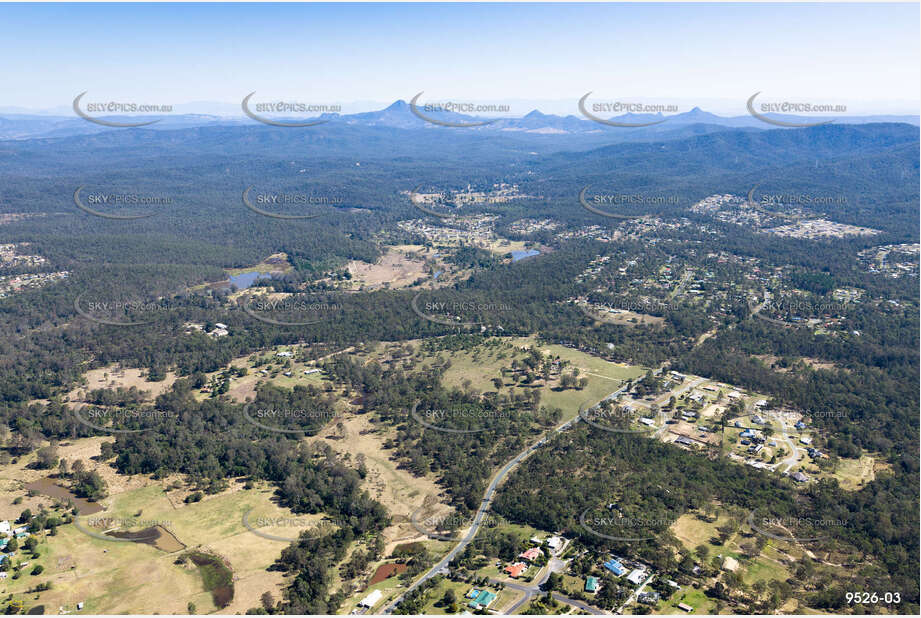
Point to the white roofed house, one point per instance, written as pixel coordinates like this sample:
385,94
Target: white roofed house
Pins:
636,576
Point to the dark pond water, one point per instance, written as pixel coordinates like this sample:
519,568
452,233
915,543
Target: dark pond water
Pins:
48,487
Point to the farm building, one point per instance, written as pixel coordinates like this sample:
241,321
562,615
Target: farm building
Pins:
371,599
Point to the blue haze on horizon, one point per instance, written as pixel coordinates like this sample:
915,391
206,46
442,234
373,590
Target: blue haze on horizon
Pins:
533,55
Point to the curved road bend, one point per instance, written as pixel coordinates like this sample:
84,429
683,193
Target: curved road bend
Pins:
528,592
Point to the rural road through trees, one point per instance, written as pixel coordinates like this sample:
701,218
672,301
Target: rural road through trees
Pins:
477,521
484,508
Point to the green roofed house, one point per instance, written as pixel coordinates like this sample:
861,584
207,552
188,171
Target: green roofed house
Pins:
482,600
591,584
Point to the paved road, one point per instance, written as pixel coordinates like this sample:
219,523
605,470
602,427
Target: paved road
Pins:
688,273
484,508
792,459
634,594
531,591
477,522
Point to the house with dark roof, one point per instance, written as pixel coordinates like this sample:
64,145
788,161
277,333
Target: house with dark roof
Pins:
684,440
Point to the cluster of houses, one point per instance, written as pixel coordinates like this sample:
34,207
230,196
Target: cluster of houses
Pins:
515,569
7,532
635,577
530,555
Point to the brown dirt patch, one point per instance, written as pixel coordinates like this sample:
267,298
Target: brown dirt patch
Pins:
386,571
394,270
114,376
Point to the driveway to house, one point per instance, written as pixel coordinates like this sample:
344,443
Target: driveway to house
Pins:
532,590
635,594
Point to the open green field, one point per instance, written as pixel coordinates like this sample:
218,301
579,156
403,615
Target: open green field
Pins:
112,577
689,596
692,532
480,366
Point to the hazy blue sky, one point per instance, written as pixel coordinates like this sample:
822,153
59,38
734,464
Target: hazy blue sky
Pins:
864,55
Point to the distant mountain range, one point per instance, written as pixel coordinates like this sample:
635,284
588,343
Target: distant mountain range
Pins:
402,115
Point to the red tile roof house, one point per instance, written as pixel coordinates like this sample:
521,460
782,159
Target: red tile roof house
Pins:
514,570
530,554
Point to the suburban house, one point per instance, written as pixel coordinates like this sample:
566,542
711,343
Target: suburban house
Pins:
615,567
650,597
482,599
799,477
530,554
516,569
591,584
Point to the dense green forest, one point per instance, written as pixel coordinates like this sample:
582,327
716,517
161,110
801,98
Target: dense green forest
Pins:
868,402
